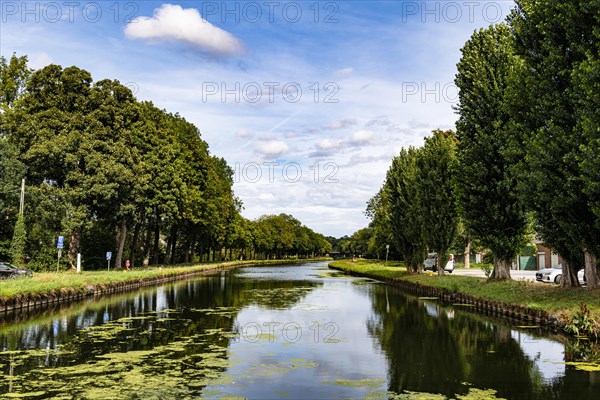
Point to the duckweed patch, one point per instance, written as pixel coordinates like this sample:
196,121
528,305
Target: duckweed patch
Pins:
277,298
472,394
178,369
367,382
479,394
585,366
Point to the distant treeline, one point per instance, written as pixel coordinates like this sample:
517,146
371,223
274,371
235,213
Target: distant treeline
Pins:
111,173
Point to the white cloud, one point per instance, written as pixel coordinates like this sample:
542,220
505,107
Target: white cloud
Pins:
272,148
184,25
327,144
362,137
245,134
342,123
344,71
39,60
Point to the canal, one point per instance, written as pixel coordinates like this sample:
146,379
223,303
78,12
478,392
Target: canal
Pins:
277,332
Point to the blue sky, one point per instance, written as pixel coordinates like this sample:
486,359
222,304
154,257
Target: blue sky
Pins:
308,101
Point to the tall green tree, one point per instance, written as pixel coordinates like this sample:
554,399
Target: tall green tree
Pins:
13,79
492,210
586,93
11,173
436,193
555,39
17,246
402,208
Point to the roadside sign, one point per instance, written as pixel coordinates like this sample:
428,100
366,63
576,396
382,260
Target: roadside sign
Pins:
387,246
108,255
61,242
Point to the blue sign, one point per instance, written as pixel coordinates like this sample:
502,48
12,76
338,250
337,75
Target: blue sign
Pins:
108,255
61,242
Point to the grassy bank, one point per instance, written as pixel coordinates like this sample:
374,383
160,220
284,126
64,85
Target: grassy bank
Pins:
549,298
54,283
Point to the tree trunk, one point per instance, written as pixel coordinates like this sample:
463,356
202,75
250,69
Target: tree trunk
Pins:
468,254
442,260
501,269
173,244
121,233
591,270
193,248
147,247
73,248
156,238
134,243
569,275
168,251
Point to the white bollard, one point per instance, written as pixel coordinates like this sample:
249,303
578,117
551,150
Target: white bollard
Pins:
78,263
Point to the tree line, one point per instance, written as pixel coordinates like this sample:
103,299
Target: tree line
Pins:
112,173
525,154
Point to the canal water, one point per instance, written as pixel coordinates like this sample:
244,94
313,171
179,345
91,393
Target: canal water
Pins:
277,332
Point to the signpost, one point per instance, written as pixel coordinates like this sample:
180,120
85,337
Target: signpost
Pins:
60,243
108,257
387,251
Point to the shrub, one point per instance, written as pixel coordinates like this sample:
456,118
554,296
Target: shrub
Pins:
582,324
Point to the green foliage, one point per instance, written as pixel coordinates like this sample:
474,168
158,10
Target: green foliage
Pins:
487,269
402,208
281,236
436,192
529,250
13,75
17,246
485,177
11,173
417,208
582,324
550,113
110,173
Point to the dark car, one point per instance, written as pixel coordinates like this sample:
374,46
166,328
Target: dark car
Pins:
10,271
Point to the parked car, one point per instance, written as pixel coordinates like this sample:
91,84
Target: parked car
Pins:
432,261
9,271
581,276
554,275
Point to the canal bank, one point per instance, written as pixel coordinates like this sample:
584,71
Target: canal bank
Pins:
543,305
50,288
282,331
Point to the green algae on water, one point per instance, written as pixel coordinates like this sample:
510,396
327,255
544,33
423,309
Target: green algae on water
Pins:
585,366
371,383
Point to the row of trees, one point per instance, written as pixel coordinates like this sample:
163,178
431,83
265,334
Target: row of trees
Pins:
417,207
111,173
525,154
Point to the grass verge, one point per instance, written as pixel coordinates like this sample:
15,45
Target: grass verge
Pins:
550,298
53,283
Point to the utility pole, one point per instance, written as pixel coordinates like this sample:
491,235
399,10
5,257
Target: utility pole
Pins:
22,202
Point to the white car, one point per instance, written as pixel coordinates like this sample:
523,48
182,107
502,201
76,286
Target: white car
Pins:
581,276
554,275
431,262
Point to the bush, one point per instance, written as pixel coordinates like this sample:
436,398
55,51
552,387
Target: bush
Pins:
582,324
487,269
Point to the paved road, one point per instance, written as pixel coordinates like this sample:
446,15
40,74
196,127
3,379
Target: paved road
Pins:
516,275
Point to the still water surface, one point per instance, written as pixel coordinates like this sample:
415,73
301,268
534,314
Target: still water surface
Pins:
278,332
